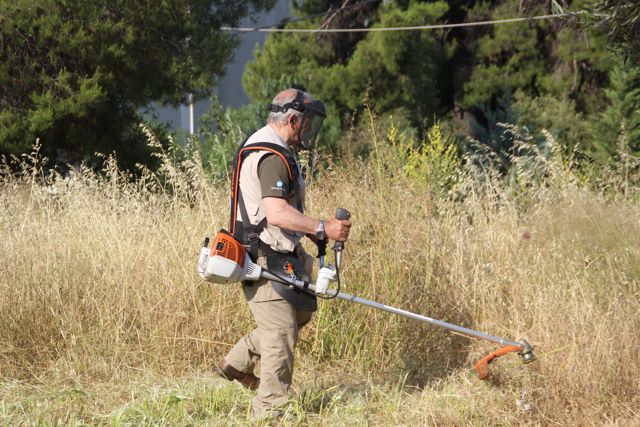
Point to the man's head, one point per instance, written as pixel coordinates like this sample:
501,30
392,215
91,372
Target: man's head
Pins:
296,117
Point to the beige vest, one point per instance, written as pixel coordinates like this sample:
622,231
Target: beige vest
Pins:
280,239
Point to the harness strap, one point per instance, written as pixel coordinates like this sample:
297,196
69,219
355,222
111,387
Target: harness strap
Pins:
249,234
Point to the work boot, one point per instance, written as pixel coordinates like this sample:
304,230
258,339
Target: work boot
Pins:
230,373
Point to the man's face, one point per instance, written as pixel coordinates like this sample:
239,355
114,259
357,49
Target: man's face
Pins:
295,122
304,128
298,125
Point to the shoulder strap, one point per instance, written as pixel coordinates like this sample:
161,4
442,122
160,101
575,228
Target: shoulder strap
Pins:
238,159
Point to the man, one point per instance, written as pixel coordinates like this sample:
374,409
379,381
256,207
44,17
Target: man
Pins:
271,221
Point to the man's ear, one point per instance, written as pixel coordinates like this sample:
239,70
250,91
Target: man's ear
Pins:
293,120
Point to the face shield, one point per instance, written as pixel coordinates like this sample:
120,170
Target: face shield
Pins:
313,114
312,119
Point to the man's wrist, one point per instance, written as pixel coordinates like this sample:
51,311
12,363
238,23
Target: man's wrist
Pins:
320,232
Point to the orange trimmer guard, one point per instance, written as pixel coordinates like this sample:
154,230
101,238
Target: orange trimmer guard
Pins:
482,365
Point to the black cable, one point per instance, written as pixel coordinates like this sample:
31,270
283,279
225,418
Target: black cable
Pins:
286,281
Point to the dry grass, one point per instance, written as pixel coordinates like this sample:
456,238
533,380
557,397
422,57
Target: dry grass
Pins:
104,319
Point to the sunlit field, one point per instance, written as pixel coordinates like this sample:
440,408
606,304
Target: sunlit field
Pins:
105,321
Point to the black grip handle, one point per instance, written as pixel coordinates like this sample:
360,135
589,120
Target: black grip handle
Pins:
344,215
322,247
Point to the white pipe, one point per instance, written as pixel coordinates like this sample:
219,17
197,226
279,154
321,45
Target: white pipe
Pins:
191,117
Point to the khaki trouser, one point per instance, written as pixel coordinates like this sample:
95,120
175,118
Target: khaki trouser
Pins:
272,342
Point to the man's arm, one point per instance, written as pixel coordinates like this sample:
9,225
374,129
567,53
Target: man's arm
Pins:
283,215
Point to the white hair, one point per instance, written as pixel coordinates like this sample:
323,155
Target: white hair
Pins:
282,98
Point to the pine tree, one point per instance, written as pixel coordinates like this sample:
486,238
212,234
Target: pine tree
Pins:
396,70
76,73
621,119
622,24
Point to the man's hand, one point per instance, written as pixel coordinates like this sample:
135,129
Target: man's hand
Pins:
337,229
283,215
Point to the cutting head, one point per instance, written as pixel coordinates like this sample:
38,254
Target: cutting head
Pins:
525,350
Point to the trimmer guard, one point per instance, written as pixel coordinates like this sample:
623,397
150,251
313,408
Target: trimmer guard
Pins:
482,365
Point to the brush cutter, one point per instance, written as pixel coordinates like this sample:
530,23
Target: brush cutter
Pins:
227,261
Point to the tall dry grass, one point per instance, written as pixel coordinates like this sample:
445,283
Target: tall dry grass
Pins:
98,282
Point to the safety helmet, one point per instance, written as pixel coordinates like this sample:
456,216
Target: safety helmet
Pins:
313,114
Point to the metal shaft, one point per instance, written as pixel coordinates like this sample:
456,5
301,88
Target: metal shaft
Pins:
347,297
421,318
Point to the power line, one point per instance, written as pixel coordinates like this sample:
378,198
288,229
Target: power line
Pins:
413,28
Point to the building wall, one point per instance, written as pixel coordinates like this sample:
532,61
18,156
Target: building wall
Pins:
229,90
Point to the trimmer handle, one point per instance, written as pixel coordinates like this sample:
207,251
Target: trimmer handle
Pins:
344,215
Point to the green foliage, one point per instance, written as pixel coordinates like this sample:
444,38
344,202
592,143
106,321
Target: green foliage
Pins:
435,162
310,7
619,123
622,23
220,133
557,115
378,64
508,57
546,57
358,140
75,74
543,74
411,61
490,136
431,165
